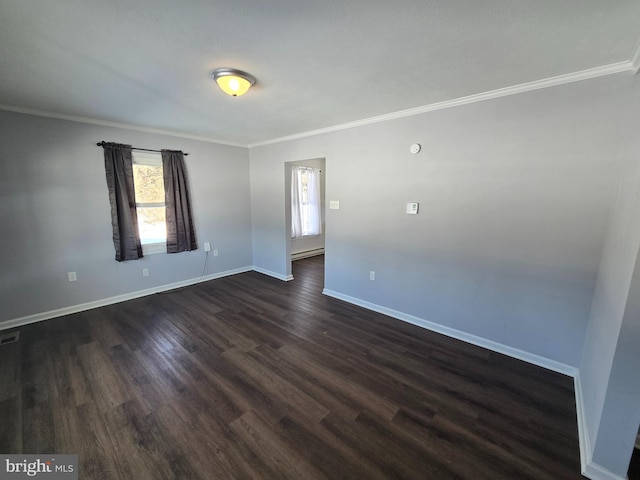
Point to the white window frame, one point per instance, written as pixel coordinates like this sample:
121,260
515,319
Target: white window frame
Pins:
155,160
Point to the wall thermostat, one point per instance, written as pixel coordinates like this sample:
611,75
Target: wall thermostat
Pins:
415,148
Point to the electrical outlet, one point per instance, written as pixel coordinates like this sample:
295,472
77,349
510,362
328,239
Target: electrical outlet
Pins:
145,272
372,275
207,246
72,276
334,205
215,252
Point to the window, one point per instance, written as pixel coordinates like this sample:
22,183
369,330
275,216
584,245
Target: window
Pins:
306,209
150,207
305,204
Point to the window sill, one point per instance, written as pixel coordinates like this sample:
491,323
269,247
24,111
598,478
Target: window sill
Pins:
307,236
154,248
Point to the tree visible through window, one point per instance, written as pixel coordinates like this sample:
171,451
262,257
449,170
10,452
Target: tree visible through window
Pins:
150,206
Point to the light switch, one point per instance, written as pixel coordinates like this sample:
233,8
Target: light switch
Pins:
412,208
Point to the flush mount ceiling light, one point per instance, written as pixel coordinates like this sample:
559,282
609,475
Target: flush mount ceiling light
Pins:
233,82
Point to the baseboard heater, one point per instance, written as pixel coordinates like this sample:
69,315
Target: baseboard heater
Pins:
307,253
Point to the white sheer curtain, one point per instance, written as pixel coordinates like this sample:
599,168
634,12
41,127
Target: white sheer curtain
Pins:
306,208
314,207
296,201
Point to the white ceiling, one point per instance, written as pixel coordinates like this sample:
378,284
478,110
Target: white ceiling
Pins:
318,63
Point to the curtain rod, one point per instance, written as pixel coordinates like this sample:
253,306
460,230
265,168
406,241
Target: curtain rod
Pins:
102,144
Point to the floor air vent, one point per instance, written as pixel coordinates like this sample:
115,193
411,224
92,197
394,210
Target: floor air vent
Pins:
9,337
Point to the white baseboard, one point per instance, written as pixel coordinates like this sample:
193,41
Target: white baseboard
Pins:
589,468
584,440
279,276
593,471
460,335
39,317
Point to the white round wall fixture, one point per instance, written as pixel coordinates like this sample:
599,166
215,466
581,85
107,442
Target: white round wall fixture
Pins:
415,148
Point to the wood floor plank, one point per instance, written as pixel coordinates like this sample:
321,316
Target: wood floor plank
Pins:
250,378
11,416
380,447
309,380
284,461
275,386
10,374
360,396
326,452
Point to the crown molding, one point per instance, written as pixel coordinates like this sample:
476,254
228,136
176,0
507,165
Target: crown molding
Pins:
630,65
107,123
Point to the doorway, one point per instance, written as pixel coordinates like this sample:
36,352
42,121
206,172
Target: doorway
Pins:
307,245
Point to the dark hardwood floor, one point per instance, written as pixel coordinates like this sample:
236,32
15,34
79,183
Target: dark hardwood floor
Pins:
248,377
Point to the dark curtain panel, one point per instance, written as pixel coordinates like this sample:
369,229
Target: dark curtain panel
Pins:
118,164
180,232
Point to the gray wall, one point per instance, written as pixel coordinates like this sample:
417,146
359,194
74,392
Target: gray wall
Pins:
609,377
54,214
620,415
515,196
